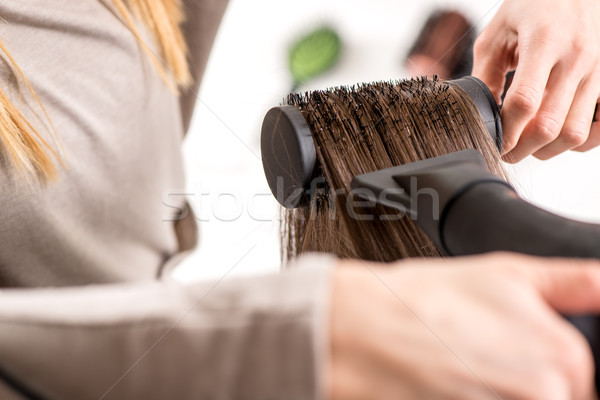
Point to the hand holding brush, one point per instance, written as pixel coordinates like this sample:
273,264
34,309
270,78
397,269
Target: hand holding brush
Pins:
554,45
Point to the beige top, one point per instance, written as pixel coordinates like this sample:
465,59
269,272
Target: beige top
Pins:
109,219
110,216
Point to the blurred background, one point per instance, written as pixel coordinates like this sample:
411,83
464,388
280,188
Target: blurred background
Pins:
248,74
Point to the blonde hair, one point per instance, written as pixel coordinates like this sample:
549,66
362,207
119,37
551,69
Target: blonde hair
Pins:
24,148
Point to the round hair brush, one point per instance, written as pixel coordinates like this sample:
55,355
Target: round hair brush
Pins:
289,155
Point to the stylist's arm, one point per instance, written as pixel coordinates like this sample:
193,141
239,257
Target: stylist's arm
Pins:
472,329
554,45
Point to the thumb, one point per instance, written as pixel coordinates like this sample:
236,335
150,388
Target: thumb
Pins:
568,286
489,65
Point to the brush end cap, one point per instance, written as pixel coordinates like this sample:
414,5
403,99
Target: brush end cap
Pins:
486,104
288,155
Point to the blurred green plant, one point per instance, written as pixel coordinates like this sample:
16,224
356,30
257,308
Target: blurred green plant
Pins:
313,54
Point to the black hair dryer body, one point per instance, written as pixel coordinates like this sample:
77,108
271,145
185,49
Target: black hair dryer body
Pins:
466,210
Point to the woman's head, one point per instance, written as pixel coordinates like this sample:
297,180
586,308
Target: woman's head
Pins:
365,128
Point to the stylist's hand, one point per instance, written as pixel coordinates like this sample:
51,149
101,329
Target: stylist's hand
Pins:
470,328
555,47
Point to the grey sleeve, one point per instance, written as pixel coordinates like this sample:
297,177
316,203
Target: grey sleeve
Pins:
200,28
257,338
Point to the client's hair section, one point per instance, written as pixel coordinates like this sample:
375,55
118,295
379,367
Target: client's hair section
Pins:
368,127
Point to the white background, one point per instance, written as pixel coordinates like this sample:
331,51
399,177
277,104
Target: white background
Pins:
247,75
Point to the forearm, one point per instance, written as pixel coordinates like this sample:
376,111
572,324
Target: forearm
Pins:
255,338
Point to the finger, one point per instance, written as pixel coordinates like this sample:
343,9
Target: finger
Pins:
526,92
594,137
568,286
490,64
571,287
578,123
546,125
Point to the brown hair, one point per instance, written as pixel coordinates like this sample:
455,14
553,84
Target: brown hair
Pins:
365,128
21,143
